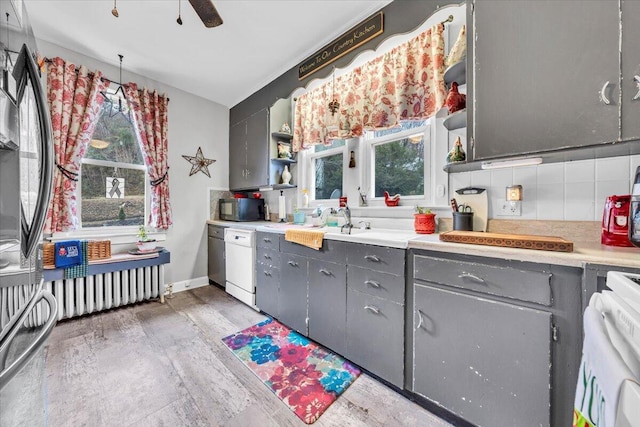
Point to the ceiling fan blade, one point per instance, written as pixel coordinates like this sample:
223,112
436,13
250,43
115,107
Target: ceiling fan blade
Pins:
207,12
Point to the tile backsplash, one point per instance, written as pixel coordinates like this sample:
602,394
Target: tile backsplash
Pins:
571,191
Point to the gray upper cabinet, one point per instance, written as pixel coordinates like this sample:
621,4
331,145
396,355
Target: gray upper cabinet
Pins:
630,70
249,152
541,71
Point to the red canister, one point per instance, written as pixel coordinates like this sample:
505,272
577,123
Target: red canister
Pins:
343,201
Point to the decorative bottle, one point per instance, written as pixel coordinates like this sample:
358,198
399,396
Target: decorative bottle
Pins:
305,198
286,175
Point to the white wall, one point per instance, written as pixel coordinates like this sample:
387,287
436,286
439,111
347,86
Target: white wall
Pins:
193,122
571,191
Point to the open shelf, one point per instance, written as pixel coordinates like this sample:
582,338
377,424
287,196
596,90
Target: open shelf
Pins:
285,136
283,186
285,161
456,73
457,120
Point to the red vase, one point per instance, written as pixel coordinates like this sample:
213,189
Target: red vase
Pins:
424,223
455,100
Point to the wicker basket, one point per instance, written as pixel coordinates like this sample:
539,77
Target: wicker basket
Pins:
98,249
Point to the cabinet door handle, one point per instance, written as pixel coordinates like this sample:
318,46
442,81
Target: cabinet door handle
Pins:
244,173
292,263
267,256
325,272
419,319
603,95
637,80
372,283
372,309
248,173
465,275
372,258
266,240
267,273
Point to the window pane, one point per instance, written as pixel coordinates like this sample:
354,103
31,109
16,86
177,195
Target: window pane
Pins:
99,210
334,144
405,125
399,167
114,138
329,177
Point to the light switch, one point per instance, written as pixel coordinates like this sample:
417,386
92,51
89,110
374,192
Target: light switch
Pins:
440,190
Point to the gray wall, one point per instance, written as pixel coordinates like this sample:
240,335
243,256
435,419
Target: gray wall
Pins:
193,122
401,16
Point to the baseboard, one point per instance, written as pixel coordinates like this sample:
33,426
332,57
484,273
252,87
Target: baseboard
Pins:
185,285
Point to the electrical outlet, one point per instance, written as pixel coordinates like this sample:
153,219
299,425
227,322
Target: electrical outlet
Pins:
506,208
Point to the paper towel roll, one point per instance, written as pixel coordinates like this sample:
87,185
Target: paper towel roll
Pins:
282,211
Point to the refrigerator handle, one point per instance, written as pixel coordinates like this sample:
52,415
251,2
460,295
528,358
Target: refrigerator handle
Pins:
38,342
31,235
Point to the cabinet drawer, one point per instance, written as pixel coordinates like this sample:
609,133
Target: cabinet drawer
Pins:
506,281
389,260
267,256
332,250
375,335
268,240
215,231
376,283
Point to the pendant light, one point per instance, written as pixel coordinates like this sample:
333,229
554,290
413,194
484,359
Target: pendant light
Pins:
179,20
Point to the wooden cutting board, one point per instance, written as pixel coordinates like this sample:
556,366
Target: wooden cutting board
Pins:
520,241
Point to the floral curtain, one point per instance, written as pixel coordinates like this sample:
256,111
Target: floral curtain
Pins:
74,103
151,123
406,83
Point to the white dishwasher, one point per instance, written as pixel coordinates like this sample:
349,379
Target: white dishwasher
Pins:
240,248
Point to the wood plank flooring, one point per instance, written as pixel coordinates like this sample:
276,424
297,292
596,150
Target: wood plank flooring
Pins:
158,364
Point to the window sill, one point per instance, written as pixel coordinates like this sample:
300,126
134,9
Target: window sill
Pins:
119,237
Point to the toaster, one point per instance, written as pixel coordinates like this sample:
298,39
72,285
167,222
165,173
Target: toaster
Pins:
615,221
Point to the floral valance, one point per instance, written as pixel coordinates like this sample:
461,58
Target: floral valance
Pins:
406,83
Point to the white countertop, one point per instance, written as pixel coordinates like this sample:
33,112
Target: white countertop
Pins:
583,253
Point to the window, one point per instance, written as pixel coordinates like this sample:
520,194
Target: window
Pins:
326,170
397,162
113,177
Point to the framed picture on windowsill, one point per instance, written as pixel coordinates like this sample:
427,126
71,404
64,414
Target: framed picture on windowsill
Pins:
284,150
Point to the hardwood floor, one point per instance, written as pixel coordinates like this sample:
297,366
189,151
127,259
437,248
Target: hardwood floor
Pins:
158,364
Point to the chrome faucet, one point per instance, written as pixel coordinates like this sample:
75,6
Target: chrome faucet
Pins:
346,212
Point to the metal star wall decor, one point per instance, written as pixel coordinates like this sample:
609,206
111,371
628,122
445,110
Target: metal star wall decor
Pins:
199,163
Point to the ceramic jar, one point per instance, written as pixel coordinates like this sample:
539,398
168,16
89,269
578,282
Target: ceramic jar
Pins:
424,223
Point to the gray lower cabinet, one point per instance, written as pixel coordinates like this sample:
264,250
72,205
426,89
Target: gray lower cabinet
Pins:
327,304
495,341
292,296
483,360
375,335
216,254
268,281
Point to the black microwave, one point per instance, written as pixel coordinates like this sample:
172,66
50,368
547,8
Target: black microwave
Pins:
241,209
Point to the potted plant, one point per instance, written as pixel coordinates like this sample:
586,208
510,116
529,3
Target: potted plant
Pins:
145,244
424,221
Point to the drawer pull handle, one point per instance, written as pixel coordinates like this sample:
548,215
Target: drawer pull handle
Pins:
325,272
419,319
372,258
266,239
372,283
293,263
603,94
372,309
473,277
267,256
267,273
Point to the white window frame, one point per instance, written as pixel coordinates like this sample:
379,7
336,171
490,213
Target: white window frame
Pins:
309,159
367,178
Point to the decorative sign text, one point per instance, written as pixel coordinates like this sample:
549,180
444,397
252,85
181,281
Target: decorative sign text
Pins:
350,40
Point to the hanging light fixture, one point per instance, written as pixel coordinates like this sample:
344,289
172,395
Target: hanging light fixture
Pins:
109,97
114,11
334,105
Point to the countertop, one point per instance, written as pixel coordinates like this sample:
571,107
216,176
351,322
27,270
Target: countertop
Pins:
583,252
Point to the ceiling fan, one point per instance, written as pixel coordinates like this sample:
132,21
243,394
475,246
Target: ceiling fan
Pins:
207,12
204,8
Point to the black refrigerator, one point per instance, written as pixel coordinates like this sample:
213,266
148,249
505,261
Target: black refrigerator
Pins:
27,311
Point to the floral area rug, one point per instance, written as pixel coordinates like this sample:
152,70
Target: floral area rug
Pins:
305,376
